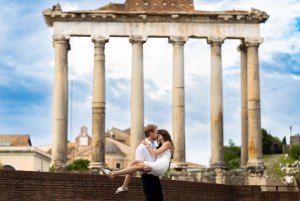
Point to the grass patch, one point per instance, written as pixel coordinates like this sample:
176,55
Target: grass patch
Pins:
273,169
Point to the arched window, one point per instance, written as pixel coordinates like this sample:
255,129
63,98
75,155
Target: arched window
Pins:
8,167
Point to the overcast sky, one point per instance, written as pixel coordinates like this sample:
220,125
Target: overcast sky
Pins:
27,61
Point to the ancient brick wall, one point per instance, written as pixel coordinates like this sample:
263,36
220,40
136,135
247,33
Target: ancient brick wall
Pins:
31,186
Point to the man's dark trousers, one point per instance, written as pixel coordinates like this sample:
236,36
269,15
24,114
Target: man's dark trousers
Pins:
152,187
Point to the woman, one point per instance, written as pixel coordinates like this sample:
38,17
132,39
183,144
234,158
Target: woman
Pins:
159,167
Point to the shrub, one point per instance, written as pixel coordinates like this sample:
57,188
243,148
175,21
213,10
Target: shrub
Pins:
1,166
232,155
52,168
294,151
80,164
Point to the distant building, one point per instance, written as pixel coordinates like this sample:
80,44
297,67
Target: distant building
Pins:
117,149
295,139
16,153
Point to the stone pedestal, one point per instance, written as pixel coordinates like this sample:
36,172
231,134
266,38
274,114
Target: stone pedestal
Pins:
178,107
98,116
137,93
217,153
60,103
95,168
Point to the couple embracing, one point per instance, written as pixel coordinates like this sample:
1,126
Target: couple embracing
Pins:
151,160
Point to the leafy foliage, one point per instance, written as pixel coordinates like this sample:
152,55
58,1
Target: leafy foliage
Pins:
232,154
1,166
294,151
80,164
52,168
267,141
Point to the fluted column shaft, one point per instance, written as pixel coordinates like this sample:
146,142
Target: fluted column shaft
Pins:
98,116
217,150
178,104
60,103
244,109
255,161
137,94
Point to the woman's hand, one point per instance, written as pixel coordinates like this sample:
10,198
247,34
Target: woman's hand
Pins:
144,143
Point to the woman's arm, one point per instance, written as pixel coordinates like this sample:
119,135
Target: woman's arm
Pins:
164,147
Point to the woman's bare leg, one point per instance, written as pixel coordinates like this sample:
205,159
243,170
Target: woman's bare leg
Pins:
136,166
128,176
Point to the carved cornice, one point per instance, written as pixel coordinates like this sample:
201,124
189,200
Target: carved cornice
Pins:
56,15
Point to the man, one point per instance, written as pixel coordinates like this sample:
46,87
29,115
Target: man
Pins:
151,183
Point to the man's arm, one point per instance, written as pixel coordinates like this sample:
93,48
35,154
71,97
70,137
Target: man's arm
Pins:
139,153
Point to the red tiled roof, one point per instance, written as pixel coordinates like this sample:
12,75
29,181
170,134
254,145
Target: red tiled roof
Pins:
17,140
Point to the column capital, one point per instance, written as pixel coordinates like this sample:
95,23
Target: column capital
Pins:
242,47
215,40
137,38
101,39
253,41
56,38
178,39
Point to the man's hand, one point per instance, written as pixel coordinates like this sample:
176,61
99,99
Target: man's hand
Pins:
172,152
147,169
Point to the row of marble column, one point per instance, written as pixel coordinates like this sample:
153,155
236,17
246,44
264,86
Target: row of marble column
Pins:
251,133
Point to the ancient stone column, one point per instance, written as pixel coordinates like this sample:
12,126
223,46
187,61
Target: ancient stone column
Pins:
244,109
98,116
217,150
60,103
255,162
137,93
178,107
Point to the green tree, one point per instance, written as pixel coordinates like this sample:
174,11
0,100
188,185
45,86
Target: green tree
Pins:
1,166
284,140
232,155
267,141
80,164
294,151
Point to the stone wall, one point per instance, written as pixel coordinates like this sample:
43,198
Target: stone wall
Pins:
231,177
31,186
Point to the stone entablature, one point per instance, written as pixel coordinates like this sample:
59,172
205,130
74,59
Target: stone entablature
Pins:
114,15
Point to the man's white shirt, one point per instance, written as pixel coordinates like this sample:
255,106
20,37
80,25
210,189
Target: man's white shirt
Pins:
143,154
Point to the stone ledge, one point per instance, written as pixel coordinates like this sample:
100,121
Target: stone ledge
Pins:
254,16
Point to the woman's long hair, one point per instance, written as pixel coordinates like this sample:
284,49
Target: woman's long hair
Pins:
166,136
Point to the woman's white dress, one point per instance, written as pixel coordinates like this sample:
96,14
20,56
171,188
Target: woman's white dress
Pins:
161,165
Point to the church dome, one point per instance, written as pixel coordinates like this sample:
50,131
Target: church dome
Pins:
111,147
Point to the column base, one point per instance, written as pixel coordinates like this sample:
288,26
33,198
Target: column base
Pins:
95,168
255,166
58,167
218,165
178,167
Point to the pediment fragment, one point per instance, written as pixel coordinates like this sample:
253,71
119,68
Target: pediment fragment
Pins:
56,7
